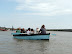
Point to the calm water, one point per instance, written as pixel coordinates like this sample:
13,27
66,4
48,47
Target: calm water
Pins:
61,43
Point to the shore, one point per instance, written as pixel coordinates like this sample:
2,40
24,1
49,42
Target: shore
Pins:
67,30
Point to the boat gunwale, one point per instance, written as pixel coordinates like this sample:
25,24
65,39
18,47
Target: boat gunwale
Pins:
30,34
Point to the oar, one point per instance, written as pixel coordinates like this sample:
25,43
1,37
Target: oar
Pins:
53,34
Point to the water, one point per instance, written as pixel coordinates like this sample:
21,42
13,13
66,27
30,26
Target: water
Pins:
59,43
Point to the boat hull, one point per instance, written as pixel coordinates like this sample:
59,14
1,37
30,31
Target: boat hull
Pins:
32,37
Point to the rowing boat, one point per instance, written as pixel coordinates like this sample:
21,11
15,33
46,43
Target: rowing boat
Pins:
31,36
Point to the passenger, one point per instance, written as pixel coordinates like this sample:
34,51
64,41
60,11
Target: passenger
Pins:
32,31
23,30
29,31
18,30
43,30
37,30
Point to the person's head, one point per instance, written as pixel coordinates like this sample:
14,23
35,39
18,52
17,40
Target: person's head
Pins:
29,29
37,28
32,30
43,26
23,29
18,28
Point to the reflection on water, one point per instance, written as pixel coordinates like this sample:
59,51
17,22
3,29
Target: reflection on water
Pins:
34,46
61,43
18,40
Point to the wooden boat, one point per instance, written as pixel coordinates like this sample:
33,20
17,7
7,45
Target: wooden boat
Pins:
31,36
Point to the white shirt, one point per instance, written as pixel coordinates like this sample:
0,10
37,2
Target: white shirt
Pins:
37,30
28,32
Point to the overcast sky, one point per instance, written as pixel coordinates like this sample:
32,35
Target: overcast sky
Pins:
54,14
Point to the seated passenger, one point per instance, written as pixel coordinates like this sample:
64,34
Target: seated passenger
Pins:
32,31
43,30
23,30
37,30
18,30
29,31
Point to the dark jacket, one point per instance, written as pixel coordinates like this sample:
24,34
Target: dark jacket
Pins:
43,31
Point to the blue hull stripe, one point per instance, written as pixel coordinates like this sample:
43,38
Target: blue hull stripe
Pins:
33,37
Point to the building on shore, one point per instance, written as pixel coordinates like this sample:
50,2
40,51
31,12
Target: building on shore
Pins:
3,28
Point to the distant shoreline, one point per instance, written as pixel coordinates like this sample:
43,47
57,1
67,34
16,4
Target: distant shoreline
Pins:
67,30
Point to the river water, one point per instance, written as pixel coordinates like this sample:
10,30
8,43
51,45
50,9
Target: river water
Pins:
61,43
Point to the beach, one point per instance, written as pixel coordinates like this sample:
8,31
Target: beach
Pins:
60,43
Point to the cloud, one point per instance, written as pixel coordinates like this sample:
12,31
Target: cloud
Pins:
45,7
54,13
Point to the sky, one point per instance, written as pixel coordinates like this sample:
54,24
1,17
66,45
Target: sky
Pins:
54,14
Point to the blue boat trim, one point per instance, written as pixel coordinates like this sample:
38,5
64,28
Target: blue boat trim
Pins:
31,37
